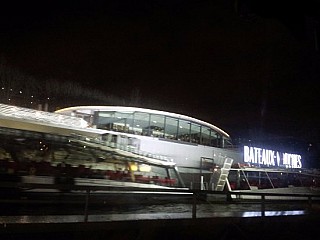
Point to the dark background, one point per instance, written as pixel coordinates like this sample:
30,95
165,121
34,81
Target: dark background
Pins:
250,68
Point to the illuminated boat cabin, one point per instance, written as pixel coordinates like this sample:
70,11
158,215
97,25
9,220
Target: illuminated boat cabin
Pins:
139,146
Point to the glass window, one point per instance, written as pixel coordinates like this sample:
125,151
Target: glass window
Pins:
210,137
123,121
205,136
173,178
171,128
226,142
141,123
156,125
216,139
116,121
195,133
184,131
105,120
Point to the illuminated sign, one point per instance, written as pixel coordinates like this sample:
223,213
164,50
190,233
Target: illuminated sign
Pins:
271,158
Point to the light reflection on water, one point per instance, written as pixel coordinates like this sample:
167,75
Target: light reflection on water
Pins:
274,213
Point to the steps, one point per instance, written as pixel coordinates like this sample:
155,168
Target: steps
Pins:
220,176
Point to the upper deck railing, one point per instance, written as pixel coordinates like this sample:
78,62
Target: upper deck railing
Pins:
124,149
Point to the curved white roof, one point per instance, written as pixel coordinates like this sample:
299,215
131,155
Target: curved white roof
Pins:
92,109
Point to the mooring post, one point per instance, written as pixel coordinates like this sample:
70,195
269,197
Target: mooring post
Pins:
263,206
310,202
194,205
86,206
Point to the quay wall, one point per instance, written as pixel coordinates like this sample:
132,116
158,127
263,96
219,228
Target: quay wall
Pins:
262,228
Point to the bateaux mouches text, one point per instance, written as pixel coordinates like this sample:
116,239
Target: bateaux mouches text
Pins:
271,158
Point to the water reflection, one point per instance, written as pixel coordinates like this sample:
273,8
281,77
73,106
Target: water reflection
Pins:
274,213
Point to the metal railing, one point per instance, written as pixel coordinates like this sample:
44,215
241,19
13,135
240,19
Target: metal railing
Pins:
121,146
195,197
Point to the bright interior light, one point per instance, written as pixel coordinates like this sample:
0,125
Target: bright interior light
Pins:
133,167
145,168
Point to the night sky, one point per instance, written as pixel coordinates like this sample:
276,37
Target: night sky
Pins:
249,69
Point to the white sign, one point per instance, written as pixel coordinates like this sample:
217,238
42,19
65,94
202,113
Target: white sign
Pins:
266,157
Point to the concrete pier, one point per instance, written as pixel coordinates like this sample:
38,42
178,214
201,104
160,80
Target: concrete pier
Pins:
284,227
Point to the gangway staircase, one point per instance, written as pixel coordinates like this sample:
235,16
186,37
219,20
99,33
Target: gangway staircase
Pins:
219,176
